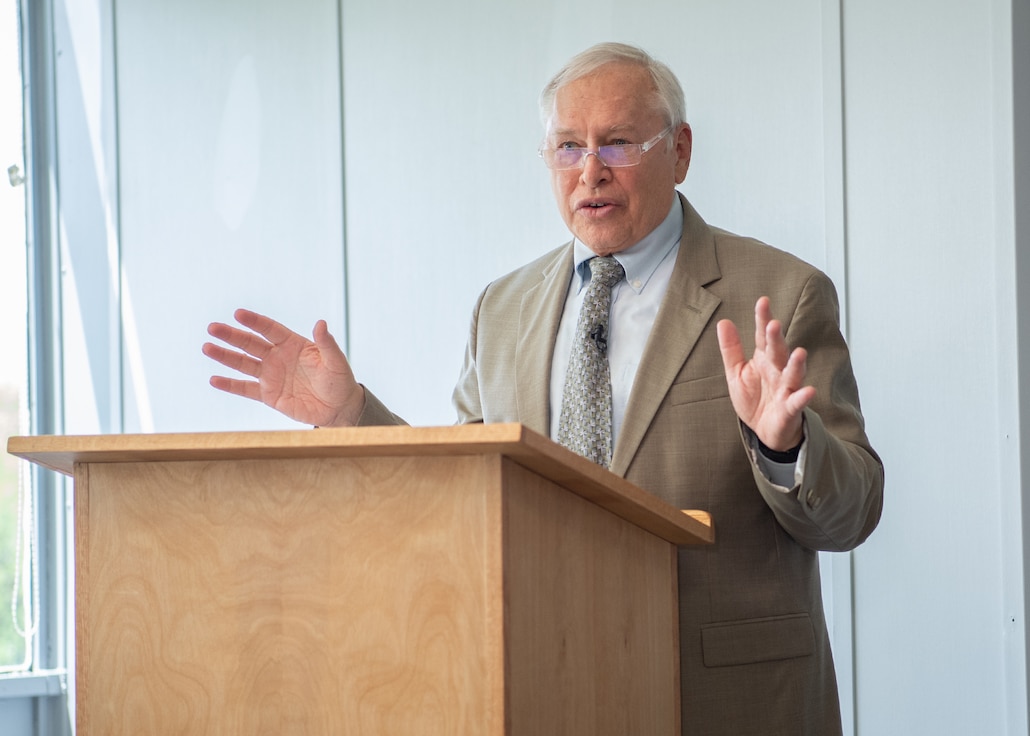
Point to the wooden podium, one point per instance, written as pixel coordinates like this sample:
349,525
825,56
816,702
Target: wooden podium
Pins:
471,580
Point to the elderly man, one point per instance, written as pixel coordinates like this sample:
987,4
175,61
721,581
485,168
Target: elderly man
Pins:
639,310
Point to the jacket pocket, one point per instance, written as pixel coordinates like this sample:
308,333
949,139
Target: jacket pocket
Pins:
699,389
757,640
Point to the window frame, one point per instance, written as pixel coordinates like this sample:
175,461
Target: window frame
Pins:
44,692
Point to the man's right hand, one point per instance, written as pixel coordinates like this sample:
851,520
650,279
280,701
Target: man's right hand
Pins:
310,382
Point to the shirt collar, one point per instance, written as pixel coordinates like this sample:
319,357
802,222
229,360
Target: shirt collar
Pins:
641,259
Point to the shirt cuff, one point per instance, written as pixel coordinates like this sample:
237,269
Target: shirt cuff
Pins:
784,476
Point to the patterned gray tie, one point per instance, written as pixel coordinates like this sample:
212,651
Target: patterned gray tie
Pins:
585,425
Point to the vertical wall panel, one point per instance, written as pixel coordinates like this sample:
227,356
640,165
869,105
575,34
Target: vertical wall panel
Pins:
230,178
444,187
1012,92
88,216
923,235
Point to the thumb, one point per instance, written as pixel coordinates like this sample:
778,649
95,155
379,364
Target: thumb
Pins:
327,346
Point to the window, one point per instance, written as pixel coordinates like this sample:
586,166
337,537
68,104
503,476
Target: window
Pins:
18,609
35,637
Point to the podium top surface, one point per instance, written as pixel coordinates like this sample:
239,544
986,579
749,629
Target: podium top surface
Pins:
514,441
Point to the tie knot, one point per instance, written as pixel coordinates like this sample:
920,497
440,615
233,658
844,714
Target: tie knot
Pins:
606,270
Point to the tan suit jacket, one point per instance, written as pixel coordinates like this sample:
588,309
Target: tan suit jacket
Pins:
755,655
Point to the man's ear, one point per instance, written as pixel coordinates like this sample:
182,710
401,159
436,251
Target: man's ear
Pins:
684,145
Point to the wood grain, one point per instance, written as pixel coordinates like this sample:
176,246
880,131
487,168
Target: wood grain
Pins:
592,617
525,447
242,597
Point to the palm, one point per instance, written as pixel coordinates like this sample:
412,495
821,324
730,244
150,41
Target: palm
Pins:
309,381
292,378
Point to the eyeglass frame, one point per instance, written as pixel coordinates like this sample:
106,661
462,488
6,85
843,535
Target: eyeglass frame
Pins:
584,152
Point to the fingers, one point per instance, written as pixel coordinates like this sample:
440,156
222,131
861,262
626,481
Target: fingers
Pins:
274,332
798,400
769,337
730,347
246,341
792,383
763,315
775,344
246,389
262,335
793,374
253,346
231,359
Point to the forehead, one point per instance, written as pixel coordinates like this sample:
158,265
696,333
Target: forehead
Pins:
614,97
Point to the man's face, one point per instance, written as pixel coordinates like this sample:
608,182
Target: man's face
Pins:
610,209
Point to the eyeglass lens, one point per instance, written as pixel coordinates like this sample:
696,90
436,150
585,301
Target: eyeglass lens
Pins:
571,158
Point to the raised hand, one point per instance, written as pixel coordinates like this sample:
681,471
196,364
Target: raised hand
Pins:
309,381
768,391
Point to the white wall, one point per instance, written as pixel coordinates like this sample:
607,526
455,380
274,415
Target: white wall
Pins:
930,264
314,159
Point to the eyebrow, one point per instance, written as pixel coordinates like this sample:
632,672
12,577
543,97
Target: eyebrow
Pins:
619,128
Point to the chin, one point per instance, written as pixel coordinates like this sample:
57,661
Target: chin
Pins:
601,245
607,248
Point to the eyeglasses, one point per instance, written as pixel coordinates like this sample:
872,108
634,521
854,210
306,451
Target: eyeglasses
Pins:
622,154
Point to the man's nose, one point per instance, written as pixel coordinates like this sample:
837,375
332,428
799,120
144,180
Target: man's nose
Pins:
594,170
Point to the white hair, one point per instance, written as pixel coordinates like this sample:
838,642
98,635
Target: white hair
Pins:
667,87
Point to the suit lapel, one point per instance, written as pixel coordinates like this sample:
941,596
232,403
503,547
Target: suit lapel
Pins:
539,315
685,310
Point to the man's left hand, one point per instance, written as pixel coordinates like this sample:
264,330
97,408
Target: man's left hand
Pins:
768,391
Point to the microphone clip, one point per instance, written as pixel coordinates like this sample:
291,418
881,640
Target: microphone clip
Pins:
597,334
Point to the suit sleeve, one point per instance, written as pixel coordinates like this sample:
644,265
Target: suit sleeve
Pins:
466,398
375,413
839,500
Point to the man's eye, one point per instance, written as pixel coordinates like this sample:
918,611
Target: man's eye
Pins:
568,146
620,142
